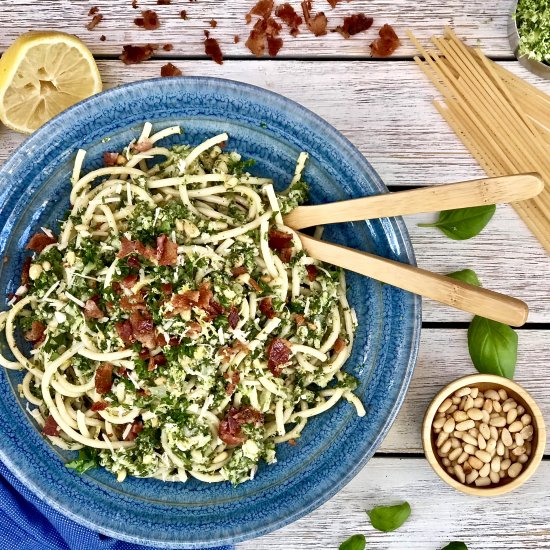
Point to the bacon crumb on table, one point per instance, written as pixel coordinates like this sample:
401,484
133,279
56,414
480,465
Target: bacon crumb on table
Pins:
103,38
236,39
168,47
149,20
386,44
164,2
93,10
213,23
136,54
96,19
170,70
288,14
135,4
213,50
318,24
183,14
354,24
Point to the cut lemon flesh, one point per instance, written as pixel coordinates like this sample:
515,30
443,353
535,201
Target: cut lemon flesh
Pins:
41,74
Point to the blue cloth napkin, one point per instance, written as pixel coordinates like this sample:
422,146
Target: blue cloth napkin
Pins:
27,523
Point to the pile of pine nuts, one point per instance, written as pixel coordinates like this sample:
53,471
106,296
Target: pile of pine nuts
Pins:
482,437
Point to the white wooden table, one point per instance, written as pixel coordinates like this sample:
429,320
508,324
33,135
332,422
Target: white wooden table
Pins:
384,108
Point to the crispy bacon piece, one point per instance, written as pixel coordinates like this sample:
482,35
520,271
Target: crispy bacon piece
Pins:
166,288
266,307
128,247
124,330
39,241
92,311
274,44
278,353
143,329
103,38
279,239
205,296
333,3
386,44
254,285
142,146
93,10
50,427
109,158
235,379
159,359
164,2
213,23
286,255
213,50
36,333
233,317
149,20
354,24
263,8
25,278
170,70
183,14
288,14
135,430
339,345
134,302
230,431
100,405
104,378
236,271
318,24
236,39
185,301
167,251
96,20
129,281
133,262
136,54
299,319
168,47
134,4
312,272
193,330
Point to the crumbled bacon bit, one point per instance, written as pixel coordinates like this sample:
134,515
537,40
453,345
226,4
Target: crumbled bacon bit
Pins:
142,146
133,262
39,241
166,288
266,307
263,8
134,302
149,20
193,330
288,14
92,311
339,345
212,49
100,405
50,427
278,353
312,272
248,18
299,319
109,158
125,332
103,38
96,20
274,45
233,317
183,14
135,430
213,23
230,431
104,378
143,392
235,379
25,278
333,3
187,300
318,24
354,24
168,47
130,280
170,70
254,285
292,442
236,39
36,333
143,329
157,360
240,270
136,54
279,239
93,10
164,2
286,255
134,4
386,44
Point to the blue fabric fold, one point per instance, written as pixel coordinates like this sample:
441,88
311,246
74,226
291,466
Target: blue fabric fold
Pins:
28,523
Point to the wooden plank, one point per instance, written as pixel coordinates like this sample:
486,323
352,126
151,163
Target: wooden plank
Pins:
440,514
385,109
481,22
443,358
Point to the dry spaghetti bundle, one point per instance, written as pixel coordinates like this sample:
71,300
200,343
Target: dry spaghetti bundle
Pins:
502,120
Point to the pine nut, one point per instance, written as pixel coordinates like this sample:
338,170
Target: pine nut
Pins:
486,416
472,476
521,410
470,449
439,423
505,464
509,405
459,472
460,416
446,447
467,438
441,453
495,464
500,448
475,414
463,457
449,425
455,400
528,447
481,443
441,438
526,419
501,474
502,394
455,443
462,403
511,415
522,459
475,463
450,470
484,472
519,439
466,425
494,432
482,482
518,451
454,454
466,467
474,432
492,394
445,405
478,402
498,421
474,393
527,432
484,456
446,461
494,477
469,403
515,470
463,391
484,430
458,435
439,415
452,409
491,445
488,406
515,427
506,453
497,407
506,437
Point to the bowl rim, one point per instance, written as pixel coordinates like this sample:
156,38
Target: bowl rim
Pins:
502,382
19,156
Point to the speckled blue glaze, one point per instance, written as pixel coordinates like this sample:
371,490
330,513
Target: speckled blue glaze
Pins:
34,186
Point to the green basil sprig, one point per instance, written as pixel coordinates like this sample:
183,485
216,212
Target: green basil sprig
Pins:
87,460
493,347
466,276
455,545
463,223
355,542
389,518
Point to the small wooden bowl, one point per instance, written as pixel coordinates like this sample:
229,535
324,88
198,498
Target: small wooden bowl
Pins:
485,382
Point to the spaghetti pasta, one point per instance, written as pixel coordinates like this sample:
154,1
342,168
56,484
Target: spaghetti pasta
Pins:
177,330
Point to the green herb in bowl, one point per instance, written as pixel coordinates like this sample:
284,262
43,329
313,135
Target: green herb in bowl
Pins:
533,23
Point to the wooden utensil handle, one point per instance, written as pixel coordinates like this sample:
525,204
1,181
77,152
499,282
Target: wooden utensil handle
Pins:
446,290
480,192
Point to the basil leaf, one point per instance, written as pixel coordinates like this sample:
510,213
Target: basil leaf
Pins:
493,347
355,542
466,276
456,545
389,518
87,459
463,223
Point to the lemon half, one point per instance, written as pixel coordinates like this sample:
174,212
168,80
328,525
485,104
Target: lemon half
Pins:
41,74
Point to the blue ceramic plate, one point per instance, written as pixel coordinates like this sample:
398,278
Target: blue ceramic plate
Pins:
34,188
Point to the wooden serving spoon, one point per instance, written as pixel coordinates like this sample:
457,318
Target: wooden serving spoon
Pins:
426,199
446,290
